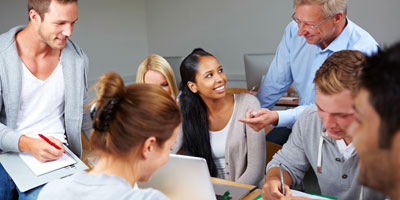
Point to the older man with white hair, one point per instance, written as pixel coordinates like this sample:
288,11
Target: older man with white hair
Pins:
319,28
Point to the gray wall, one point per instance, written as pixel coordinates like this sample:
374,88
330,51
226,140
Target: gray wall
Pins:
118,34
112,33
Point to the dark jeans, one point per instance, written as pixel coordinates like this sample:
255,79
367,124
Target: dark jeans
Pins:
278,135
9,191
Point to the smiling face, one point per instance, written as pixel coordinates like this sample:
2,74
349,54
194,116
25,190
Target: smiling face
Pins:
57,24
311,14
336,112
156,78
210,79
374,162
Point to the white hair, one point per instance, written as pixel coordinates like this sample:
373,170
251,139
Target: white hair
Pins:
329,7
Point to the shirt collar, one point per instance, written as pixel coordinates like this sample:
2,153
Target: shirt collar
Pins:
341,41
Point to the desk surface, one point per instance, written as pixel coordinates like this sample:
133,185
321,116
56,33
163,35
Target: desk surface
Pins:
250,196
288,101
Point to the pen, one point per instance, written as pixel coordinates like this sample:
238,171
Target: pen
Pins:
50,142
282,183
226,195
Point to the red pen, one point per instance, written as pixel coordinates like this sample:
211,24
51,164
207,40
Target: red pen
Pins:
50,142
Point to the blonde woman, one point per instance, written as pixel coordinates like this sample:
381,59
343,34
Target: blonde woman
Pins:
156,70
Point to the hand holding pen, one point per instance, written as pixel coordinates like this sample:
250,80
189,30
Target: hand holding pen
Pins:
40,149
273,187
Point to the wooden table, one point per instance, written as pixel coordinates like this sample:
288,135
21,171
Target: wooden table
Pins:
289,102
250,196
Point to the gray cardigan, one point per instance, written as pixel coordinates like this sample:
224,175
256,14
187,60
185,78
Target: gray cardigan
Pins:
338,178
244,148
75,67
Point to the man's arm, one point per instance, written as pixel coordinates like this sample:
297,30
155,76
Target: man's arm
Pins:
86,119
279,76
260,119
40,149
292,157
278,79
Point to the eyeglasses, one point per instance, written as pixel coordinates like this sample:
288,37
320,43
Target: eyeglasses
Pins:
312,27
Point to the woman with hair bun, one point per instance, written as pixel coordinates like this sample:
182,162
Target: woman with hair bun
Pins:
210,124
134,128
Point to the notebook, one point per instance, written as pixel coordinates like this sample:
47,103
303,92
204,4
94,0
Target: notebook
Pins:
40,168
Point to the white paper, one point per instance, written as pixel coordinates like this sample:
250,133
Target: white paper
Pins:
41,168
296,193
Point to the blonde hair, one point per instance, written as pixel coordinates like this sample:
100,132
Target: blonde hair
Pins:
342,70
157,63
329,7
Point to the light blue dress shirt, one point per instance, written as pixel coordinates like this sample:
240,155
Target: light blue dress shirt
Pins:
297,61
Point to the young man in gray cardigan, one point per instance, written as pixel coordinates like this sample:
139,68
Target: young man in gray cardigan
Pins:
319,138
43,87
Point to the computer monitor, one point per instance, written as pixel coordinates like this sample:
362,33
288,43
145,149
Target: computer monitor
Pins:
256,67
175,62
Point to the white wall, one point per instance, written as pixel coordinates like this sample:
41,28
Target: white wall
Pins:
117,35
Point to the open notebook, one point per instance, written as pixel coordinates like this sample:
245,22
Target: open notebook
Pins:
40,168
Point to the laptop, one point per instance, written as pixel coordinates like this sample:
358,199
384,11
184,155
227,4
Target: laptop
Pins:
183,177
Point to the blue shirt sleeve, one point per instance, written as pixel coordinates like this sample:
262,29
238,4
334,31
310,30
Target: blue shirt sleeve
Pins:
287,118
279,76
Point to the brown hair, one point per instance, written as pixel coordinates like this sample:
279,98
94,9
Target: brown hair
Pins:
124,117
340,71
42,6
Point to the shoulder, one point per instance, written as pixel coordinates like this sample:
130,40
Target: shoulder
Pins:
291,31
245,98
309,122
8,38
309,113
53,188
75,49
292,28
361,40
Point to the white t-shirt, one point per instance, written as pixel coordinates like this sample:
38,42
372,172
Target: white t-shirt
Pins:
218,142
345,150
42,105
